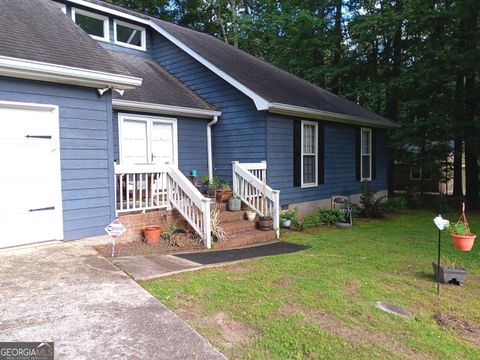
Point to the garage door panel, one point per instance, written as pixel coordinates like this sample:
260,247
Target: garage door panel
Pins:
30,190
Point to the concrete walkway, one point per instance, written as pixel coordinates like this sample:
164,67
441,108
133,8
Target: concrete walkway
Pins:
145,267
68,294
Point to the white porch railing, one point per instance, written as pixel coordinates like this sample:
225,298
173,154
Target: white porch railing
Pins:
148,187
249,182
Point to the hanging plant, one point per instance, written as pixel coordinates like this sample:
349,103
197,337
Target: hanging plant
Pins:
463,238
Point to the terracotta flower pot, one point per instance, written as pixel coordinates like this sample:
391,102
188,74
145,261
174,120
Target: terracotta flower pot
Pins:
152,234
463,243
222,195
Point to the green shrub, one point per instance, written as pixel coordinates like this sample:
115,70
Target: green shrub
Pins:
394,204
323,217
369,207
290,215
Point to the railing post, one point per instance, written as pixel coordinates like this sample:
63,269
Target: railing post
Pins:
264,171
276,212
207,225
234,178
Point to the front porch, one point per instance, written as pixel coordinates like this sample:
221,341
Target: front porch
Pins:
161,195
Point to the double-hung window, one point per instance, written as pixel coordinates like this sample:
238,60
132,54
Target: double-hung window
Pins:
94,24
309,153
129,35
366,154
147,140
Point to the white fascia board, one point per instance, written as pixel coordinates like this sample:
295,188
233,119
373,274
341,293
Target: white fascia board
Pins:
299,111
108,10
35,70
126,105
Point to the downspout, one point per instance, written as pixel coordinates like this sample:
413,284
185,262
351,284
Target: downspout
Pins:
209,147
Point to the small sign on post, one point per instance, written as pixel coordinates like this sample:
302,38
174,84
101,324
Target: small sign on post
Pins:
115,230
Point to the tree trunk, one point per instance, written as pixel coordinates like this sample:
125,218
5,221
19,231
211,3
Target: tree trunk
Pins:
233,5
392,94
471,130
337,52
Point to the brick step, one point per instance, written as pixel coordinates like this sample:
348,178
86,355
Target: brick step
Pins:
246,238
230,216
235,227
219,206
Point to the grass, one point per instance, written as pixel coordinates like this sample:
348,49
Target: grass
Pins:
319,303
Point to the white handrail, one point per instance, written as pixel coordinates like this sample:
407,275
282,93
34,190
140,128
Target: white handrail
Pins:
190,203
149,187
255,192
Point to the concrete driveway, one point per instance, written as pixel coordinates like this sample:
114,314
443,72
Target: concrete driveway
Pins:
68,294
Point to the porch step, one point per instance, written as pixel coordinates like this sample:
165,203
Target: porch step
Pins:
218,206
247,237
229,216
234,227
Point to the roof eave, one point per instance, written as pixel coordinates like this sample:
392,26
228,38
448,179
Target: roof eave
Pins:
35,70
299,111
127,105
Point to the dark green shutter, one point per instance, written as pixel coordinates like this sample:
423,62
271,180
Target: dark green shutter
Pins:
321,154
357,152
297,153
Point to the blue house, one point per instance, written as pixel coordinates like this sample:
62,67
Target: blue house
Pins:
105,112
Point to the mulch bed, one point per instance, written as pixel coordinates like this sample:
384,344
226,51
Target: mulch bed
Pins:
176,243
466,330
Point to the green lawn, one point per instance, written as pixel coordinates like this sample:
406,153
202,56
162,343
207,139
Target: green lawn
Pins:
319,303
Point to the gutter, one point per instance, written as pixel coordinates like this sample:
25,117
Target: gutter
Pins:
299,111
36,70
127,105
209,147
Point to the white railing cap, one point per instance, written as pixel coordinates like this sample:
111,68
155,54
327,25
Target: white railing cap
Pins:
140,169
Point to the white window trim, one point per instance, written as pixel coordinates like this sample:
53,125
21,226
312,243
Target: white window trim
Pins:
315,124
362,154
149,119
142,30
105,19
411,174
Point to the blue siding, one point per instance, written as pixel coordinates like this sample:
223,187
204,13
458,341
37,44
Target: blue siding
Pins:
340,162
192,142
240,133
85,150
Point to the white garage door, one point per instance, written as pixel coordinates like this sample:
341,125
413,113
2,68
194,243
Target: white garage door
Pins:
30,188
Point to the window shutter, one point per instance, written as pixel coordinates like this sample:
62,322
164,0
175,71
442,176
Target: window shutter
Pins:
297,153
321,154
374,154
357,152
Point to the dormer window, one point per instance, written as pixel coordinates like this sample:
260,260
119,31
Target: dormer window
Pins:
93,24
129,35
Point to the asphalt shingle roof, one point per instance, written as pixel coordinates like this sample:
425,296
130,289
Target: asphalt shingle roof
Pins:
265,79
39,31
158,87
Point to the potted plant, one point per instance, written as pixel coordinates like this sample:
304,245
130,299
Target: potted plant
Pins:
288,217
151,234
265,222
449,272
223,194
234,202
463,238
213,186
251,215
